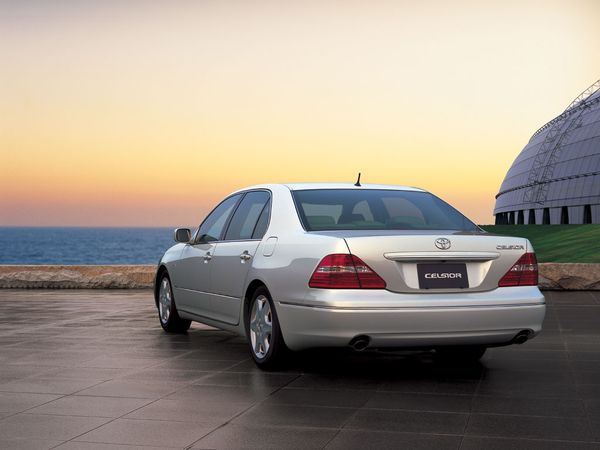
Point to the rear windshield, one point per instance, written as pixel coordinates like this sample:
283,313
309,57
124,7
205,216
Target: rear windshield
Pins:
369,209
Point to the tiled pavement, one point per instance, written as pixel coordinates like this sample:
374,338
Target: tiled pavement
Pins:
93,370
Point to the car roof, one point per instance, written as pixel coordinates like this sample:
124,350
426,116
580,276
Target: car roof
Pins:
305,186
308,186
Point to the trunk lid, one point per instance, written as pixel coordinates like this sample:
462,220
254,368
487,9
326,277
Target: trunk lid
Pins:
409,260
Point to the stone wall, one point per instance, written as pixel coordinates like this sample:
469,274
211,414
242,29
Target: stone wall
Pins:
570,276
552,276
77,277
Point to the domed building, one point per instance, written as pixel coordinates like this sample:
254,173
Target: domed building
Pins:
556,177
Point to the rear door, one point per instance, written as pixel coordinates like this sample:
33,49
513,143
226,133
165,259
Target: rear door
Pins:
233,255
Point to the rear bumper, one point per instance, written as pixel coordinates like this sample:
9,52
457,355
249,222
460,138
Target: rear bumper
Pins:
495,320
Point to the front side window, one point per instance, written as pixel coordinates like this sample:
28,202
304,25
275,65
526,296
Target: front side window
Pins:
212,227
246,216
377,209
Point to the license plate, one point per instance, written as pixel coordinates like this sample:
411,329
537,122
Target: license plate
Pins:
442,276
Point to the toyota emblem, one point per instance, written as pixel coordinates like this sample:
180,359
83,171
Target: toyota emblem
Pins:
442,243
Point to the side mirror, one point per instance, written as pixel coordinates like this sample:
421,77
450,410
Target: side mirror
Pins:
183,235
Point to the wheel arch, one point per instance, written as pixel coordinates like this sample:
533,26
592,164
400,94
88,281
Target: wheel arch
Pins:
252,287
159,273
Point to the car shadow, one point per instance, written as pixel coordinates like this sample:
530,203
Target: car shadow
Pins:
381,365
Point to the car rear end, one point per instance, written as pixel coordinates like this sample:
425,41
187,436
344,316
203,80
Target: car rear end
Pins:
414,273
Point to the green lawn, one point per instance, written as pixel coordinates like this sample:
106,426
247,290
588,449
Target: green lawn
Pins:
557,243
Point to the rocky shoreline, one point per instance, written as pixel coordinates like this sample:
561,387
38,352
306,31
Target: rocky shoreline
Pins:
553,276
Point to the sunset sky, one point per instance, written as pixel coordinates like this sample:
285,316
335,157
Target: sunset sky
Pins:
145,113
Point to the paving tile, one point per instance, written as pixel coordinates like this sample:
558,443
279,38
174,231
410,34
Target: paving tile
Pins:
78,445
27,444
587,377
252,380
592,406
90,406
552,407
524,352
299,416
158,353
246,366
190,411
147,432
449,387
221,353
118,362
408,421
47,385
233,436
64,358
580,338
320,397
185,363
582,366
507,363
420,402
334,381
355,439
164,375
549,428
595,427
84,373
13,402
575,298
478,443
585,355
39,426
130,388
231,394
11,372
530,389
504,375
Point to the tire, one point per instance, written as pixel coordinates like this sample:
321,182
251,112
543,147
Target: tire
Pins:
167,311
263,331
466,353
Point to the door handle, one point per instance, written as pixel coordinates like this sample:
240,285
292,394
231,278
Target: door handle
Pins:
245,256
207,257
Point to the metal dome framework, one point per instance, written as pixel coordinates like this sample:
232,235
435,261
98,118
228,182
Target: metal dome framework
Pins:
534,178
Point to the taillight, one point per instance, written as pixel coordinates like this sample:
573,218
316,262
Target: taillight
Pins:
523,273
343,271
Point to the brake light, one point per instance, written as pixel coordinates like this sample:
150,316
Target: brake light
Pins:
523,273
343,271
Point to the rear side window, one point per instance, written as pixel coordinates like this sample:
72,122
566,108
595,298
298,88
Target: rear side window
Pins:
247,215
371,209
263,222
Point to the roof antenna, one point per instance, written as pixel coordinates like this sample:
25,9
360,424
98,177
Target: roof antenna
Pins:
358,180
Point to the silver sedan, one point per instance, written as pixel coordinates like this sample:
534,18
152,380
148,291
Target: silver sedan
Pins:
294,266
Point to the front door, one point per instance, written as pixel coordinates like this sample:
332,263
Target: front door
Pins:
193,279
194,270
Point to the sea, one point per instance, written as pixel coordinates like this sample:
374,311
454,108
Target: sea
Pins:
74,245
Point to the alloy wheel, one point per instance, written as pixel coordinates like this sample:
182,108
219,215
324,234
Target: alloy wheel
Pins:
164,300
261,326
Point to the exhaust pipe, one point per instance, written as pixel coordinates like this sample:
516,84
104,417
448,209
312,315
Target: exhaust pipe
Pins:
522,337
359,343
